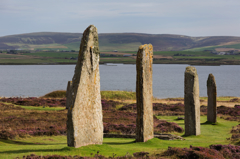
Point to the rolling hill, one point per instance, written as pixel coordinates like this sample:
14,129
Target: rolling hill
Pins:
117,41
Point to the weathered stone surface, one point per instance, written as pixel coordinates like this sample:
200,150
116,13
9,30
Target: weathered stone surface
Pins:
84,124
191,101
69,94
144,130
212,99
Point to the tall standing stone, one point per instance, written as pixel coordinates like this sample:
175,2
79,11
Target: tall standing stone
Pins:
69,94
84,124
191,101
144,130
212,99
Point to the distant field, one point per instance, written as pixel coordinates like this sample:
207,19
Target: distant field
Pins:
104,46
234,47
73,46
54,54
120,47
53,46
36,61
160,57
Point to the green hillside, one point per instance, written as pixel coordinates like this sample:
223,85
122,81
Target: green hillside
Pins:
117,41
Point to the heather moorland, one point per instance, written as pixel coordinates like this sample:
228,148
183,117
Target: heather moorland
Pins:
33,127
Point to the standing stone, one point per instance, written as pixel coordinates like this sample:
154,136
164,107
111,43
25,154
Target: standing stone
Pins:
191,101
69,94
144,130
85,124
212,99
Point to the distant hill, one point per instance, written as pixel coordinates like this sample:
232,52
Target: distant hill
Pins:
117,41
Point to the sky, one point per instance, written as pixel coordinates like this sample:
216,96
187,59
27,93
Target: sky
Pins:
182,17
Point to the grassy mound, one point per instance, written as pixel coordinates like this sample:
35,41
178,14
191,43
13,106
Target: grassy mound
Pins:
119,95
56,94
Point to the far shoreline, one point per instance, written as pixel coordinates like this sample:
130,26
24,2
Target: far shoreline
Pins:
191,64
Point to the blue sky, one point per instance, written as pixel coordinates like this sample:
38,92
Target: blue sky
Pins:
183,17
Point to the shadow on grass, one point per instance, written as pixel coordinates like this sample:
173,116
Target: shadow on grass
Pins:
180,123
209,123
178,119
185,135
27,143
236,143
29,151
117,143
195,136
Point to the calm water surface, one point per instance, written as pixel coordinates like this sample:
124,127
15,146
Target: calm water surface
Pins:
168,79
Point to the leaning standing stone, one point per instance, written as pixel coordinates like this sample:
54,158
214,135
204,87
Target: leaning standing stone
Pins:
144,130
212,99
191,101
84,124
69,94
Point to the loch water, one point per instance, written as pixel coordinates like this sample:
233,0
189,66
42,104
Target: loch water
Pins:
168,79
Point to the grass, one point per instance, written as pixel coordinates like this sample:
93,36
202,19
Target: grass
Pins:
50,145
118,95
218,57
36,61
54,54
107,95
42,108
108,46
221,98
11,56
56,94
210,134
235,46
171,53
73,46
186,57
121,95
53,46
105,45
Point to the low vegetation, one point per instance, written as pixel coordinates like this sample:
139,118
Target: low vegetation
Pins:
41,132
56,94
118,95
213,152
34,101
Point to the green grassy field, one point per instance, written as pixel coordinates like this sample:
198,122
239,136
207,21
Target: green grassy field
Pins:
54,54
49,145
235,46
73,46
36,61
43,108
106,46
176,57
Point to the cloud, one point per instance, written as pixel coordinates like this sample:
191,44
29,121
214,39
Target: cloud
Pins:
151,16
